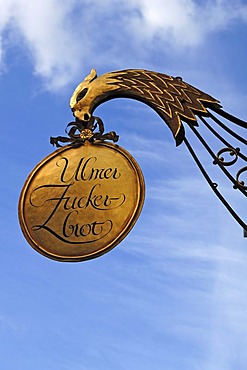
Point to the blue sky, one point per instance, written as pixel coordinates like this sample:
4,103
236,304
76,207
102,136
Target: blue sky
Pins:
172,295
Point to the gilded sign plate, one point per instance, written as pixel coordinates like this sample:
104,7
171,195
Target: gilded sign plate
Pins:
80,202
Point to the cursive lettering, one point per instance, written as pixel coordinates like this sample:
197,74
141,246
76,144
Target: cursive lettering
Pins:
71,207
86,171
72,211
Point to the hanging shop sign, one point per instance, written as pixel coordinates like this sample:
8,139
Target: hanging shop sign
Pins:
83,199
80,202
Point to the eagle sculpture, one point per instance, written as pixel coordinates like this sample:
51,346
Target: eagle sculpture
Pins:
173,99
176,102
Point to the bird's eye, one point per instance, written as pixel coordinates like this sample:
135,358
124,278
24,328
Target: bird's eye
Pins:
81,94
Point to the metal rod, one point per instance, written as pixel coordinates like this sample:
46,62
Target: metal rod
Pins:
229,116
214,188
222,125
221,138
222,167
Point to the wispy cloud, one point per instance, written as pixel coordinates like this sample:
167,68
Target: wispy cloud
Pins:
65,38
180,22
44,30
189,238
206,265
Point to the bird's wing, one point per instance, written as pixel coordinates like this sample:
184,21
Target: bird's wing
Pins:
173,99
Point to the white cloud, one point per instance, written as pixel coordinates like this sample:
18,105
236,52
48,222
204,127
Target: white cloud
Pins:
169,20
47,36
46,33
184,22
64,37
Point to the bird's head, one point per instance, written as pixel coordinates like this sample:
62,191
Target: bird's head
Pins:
90,93
81,102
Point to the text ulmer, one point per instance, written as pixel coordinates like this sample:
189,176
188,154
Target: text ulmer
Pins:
85,171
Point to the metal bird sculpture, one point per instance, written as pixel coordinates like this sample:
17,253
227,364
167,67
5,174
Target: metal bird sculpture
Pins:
175,101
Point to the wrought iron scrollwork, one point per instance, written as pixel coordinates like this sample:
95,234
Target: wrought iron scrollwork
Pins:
241,182
234,152
233,167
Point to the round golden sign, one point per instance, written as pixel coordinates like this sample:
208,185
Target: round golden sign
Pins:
80,202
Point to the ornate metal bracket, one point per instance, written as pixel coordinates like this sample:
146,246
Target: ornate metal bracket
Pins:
86,132
176,102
